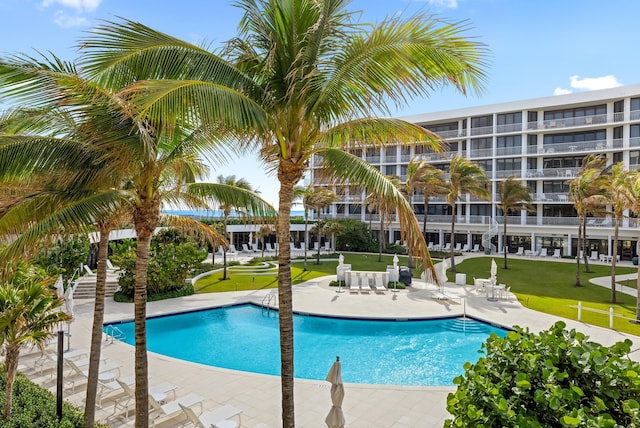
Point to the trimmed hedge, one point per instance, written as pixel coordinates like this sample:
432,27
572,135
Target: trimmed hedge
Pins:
36,407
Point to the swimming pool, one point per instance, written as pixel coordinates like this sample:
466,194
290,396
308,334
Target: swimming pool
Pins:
246,337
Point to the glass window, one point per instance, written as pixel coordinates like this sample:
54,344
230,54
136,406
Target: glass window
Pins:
509,118
390,152
512,164
482,121
576,112
487,165
635,103
510,141
575,137
482,210
481,143
634,131
555,187
391,170
618,106
634,157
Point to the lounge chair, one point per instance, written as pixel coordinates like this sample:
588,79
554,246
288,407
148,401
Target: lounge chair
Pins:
218,418
88,270
430,246
594,255
162,412
269,248
556,253
245,249
476,248
520,251
158,392
379,284
364,283
110,266
447,247
465,248
458,247
256,248
108,372
327,247
543,252
354,286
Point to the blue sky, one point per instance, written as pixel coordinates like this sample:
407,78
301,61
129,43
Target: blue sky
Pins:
538,48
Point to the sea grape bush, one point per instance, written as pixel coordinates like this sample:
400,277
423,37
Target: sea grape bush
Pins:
557,378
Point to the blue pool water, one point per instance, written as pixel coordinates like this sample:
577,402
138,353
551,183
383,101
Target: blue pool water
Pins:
245,337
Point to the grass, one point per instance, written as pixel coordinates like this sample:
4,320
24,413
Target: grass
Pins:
548,287
631,283
543,286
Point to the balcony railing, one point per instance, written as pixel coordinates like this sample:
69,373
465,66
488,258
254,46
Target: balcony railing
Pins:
508,151
568,122
507,173
448,134
481,153
581,146
482,130
510,127
634,114
373,159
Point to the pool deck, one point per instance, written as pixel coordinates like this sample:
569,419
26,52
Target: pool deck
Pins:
259,397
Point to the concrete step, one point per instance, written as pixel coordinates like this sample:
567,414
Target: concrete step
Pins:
86,288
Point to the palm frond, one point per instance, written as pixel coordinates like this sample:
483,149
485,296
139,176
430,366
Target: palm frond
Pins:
201,232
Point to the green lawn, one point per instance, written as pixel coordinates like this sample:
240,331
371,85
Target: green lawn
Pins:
545,286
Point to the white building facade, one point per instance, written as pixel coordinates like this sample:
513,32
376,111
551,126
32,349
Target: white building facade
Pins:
541,142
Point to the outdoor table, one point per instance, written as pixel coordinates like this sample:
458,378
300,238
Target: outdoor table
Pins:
493,288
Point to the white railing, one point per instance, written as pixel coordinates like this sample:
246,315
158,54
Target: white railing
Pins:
482,130
569,122
509,127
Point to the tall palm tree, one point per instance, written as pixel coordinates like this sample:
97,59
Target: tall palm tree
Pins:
227,208
584,190
425,177
301,194
141,171
318,199
376,202
28,315
632,195
614,186
514,196
464,177
303,78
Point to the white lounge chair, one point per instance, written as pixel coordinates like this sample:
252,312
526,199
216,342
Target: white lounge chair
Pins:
430,246
158,392
447,247
556,253
256,248
327,247
269,248
245,249
218,418
458,247
354,286
465,249
379,284
476,248
364,283
543,252
520,251
162,412
108,372
594,255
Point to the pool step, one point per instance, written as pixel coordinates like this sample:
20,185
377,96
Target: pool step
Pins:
465,325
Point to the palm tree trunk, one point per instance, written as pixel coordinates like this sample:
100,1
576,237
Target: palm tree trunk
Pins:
504,237
587,267
638,296
380,238
318,236
11,367
453,228
96,332
285,304
146,218
614,256
224,250
306,237
580,220
424,218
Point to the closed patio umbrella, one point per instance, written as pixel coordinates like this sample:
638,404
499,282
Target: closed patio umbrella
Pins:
494,279
335,418
68,301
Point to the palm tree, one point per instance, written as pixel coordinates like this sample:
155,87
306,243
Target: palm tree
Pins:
303,78
134,172
464,177
514,196
302,193
376,202
614,186
631,191
584,190
228,208
433,184
264,231
28,316
318,199
421,176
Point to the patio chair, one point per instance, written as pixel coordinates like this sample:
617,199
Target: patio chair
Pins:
327,247
520,251
269,248
476,248
458,247
594,256
543,252
162,412
430,246
364,283
108,372
218,418
158,392
245,249
447,247
556,253
379,284
354,286
465,249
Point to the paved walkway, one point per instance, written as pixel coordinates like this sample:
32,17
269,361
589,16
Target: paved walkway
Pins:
366,406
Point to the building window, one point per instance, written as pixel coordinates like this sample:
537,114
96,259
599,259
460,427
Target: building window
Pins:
513,164
634,158
555,187
576,112
443,127
481,143
509,118
510,141
481,122
574,137
391,170
634,131
487,165
635,104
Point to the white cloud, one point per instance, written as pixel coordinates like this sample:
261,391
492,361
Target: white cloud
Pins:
66,21
79,5
594,83
561,91
451,4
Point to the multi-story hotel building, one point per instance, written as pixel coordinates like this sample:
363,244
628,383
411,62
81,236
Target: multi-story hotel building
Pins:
539,141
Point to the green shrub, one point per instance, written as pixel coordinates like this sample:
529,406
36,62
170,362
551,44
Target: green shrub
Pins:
36,407
186,290
337,284
397,285
555,379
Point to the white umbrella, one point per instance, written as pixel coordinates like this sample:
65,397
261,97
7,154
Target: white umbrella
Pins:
494,272
59,285
395,261
444,265
68,300
340,261
335,418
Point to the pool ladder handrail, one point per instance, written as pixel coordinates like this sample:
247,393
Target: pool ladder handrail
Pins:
267,300
114,332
